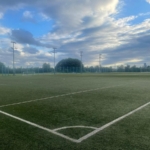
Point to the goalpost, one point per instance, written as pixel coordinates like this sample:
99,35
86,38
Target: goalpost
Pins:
28,71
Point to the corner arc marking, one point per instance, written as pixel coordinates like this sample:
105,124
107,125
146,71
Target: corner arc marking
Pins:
39,126
68,127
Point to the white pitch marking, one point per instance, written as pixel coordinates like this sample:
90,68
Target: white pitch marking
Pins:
67,127
111,123
82,138
56,96
38,126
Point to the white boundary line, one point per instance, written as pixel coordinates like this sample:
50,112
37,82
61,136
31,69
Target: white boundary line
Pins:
19,103
111,123
82,138
38,126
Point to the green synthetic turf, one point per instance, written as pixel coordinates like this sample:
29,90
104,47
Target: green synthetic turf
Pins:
117,95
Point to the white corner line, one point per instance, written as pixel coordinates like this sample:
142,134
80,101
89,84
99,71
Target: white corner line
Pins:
19,103
111,123
53,131
40,127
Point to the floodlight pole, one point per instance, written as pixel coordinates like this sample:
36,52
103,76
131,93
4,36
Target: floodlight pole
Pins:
13,57
99,63
81,54
54,58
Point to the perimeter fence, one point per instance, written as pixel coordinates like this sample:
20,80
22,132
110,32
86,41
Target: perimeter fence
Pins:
39,70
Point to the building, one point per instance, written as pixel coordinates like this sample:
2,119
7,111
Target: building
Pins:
145,66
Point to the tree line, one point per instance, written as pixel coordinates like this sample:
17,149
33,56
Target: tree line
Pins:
71,65
26,70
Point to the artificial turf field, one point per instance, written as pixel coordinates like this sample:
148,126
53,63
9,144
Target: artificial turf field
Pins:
47,112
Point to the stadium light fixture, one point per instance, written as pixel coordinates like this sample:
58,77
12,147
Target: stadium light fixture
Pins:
81,54
54,48
13,57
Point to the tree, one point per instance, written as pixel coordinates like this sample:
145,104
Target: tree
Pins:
69,65
1,66
46,67
120,68
127,68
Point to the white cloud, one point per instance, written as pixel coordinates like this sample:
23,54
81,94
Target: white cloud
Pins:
4,31
148,1
44,17
28,14
72,15
1,15
90,26
125,62
69,15
144,14
125,21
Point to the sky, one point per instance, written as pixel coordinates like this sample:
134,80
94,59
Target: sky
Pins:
119,30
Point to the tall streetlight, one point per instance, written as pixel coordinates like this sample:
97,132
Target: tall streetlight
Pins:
13,57
100,63
54,48
81,54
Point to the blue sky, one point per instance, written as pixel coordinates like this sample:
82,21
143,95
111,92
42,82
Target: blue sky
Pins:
117,29
17,20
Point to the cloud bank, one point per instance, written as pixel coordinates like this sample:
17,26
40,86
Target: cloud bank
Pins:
91,26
